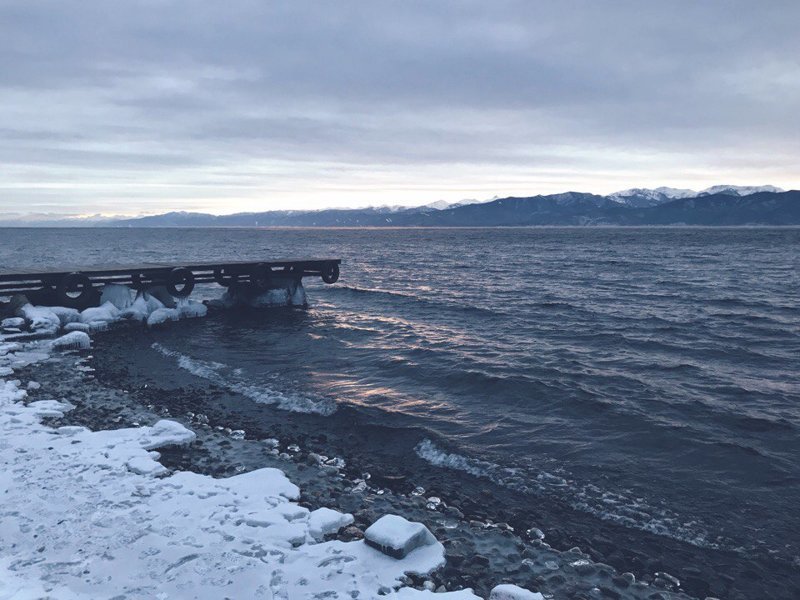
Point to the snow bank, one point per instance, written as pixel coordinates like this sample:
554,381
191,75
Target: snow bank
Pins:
95,515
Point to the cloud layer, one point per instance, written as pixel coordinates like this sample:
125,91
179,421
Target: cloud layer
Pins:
148,106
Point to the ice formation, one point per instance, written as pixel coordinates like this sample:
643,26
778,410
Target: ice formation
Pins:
117,306
75,340
118,295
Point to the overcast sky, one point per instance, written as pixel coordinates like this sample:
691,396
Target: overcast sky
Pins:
241,105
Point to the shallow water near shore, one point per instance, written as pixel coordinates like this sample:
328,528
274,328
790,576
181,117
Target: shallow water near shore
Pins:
630,390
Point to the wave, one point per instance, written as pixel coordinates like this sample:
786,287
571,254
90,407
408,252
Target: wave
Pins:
229,378
609,506
435,299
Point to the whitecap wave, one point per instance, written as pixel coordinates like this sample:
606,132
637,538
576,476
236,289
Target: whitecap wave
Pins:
609,506
228,378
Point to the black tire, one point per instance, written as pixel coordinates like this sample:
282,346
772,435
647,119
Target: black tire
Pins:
261,276
180,276
330,273
223,278
72,283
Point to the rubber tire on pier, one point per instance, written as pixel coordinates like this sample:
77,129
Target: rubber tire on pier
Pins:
330,273
261,276
73,282
223,279
178,276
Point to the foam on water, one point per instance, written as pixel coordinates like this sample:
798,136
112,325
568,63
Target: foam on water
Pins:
609,506
226,377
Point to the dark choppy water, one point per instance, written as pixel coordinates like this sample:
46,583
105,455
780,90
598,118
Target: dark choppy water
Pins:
646,376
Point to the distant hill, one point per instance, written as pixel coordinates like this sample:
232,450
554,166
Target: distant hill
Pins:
721,205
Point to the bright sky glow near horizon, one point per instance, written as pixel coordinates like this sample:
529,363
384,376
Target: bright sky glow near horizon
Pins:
158,105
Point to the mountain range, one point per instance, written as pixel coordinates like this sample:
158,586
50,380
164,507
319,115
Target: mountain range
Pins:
717,205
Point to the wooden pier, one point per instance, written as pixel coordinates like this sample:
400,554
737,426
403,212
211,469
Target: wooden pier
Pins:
77,286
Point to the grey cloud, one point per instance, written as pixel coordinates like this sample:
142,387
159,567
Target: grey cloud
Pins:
118,90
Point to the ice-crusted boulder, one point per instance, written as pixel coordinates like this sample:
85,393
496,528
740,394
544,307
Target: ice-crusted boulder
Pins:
165,433
141,308
407,593
189,309
116,294
323,521
163,315
508,591
75,340
40,318
66,315
76,327
395,536
12,323
105,312
285,291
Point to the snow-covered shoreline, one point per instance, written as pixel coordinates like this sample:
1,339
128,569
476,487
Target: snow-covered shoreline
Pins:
89,514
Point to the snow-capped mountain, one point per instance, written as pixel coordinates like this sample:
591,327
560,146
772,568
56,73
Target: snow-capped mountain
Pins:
645,197
739,190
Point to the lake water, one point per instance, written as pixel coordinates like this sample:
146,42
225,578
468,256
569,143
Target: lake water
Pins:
644,377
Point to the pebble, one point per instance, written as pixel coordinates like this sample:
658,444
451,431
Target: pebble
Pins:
535,533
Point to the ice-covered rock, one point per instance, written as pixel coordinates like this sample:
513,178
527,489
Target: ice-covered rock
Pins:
12,322
95,326
412,594
116,294
66,315
142,307
189,309
75,340
160,293
40,318
395,536
105,312
165,433
285,291
325,520
508,591
76,327
163,315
